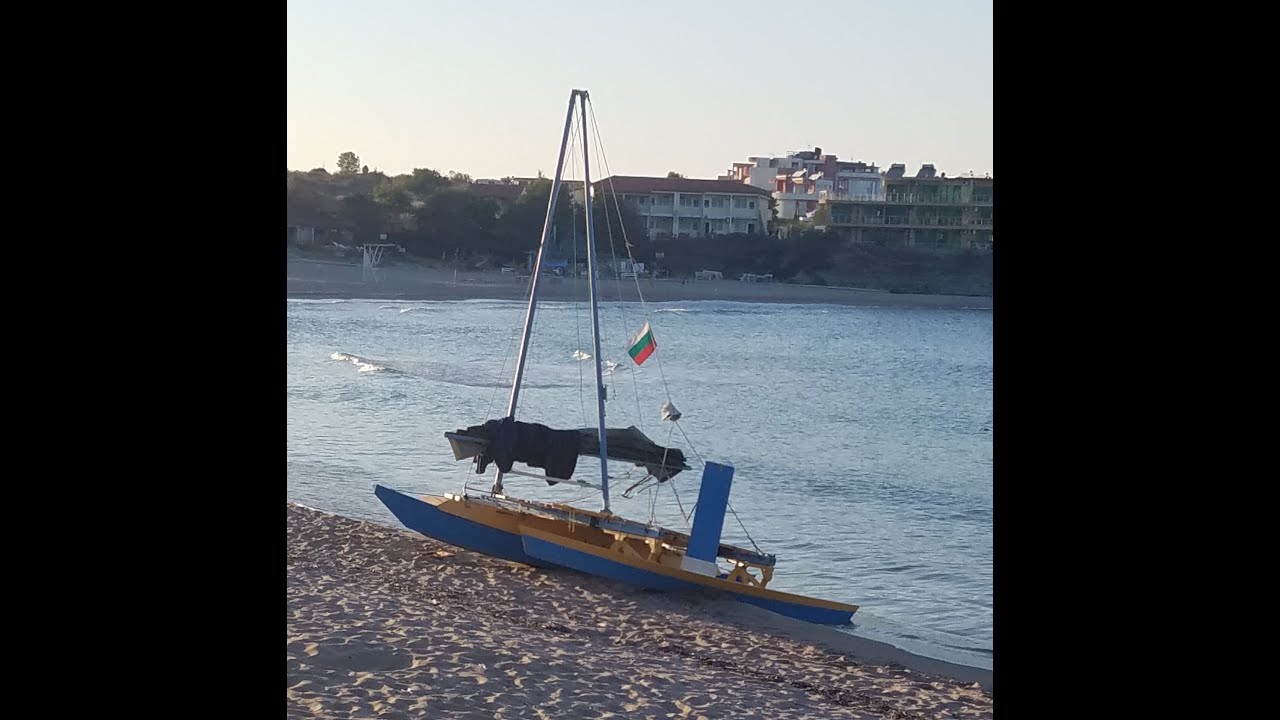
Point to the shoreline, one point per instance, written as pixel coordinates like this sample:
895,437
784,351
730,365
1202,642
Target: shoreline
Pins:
313,279
386,620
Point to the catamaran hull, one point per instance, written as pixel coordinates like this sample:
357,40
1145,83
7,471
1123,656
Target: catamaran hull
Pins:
428,519
593,562
502,535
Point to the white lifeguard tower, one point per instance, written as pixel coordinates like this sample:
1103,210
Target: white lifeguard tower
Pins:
371,272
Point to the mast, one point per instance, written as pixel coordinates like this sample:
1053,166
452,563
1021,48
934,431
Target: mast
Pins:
537,270
595,302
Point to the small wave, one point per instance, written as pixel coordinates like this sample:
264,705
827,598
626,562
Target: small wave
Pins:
411,309
674,310
364,364
971,648
579,355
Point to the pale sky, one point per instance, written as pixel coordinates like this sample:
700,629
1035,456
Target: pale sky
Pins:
691,86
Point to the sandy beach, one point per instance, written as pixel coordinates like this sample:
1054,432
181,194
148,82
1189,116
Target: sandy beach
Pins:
327,279
386,623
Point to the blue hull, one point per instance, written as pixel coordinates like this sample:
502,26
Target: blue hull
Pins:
601,567
436,524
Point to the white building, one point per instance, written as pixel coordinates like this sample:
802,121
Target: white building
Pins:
796,180
684,207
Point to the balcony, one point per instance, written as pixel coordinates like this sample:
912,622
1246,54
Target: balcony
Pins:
917,224
780,196
830,195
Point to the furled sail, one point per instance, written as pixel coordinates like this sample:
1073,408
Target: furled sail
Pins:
503,442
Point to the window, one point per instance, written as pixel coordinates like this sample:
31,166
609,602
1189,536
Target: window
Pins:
716,202
751,204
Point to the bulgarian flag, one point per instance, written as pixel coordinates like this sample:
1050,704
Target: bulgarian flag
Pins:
642,345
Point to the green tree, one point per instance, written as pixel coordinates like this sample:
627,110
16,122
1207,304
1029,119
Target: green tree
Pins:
454,221
364,170
365,217
520,228
425,181
674,175
458,178
393,197
348,163
302,197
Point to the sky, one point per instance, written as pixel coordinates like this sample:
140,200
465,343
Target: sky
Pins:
691,86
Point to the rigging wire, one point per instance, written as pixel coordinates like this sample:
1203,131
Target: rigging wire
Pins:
577,303
644,306
603,163
577,319
613,252
744,528
497,384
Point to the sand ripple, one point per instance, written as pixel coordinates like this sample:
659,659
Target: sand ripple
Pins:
384,623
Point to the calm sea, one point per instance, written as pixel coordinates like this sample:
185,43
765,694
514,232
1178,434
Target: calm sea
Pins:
861,437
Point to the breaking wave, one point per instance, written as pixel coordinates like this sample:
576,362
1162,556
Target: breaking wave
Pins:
365,364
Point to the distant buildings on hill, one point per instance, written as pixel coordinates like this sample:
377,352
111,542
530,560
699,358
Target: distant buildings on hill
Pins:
796,180
806,187
867,205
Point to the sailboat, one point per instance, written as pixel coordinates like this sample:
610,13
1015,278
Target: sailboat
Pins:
599,543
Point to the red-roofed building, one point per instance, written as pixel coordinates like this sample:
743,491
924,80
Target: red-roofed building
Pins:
687,207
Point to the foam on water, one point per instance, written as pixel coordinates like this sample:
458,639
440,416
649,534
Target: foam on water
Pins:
364,364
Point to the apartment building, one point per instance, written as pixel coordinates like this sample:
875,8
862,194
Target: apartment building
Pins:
685,207
797,179
925,211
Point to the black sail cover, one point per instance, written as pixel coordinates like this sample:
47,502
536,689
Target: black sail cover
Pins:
556,451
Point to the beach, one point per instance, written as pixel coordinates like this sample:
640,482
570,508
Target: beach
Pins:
311,278
386,623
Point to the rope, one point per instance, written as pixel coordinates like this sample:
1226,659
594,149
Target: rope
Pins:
577,311
644,306
690,442
613,253
679,504
744,528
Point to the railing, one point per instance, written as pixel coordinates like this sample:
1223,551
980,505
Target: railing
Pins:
836,195
900,221
896,199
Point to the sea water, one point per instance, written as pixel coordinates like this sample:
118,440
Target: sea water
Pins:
861,437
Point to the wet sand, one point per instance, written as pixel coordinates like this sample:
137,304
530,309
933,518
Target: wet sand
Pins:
386,623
